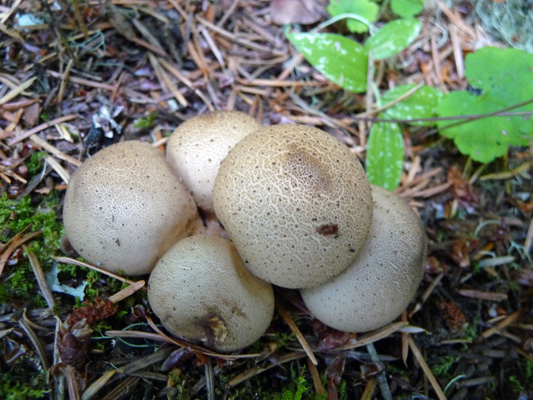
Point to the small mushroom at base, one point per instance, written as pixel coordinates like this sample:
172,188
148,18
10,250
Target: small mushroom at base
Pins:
201,292
384,277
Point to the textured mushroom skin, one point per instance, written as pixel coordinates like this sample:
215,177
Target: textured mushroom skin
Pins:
197,147
384,277
201,291
296,203
125,207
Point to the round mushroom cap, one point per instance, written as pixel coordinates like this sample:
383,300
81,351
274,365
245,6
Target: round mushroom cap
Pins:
296,203
197,147
201,291
384,277
125,207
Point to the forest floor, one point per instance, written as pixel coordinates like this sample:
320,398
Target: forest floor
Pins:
150,65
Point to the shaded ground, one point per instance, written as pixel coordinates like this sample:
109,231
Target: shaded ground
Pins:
154,64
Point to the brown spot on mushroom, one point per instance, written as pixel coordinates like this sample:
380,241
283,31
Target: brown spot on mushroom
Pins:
328,229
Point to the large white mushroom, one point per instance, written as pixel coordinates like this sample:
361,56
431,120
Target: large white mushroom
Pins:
384,277
201,291
125,207
296,203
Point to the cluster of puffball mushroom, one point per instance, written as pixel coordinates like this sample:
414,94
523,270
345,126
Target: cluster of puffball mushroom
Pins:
297,210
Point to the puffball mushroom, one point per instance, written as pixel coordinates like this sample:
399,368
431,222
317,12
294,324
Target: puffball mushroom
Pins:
296,203
384,277
125,207
201,291
198,146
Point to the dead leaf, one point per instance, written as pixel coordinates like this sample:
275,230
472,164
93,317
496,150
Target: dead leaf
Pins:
297,11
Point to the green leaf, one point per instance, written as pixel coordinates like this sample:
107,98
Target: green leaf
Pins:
393,38
407,8
364,8
421,104
384,155
338,58
506,78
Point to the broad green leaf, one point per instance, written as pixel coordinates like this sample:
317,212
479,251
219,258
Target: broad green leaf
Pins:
364,8
407,8
506,78
384,155
393,38
421,104
484,139
340,59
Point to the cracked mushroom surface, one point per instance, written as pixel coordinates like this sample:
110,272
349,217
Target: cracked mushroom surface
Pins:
384,277
125,207
202,292
296,203
197,147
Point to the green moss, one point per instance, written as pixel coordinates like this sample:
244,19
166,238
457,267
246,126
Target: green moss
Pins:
15,215
443,369
35,163
14,387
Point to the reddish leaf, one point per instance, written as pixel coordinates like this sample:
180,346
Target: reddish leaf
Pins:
296,11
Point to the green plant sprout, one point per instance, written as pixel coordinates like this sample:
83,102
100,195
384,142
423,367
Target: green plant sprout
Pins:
504,78
367,9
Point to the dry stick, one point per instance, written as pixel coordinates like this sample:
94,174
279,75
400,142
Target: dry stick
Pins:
177,74
62,172
289,321
200,349
51,149
213,46
72,261
529,238
83,81
317,383
126,292
508,174
422,362
148,35
13,246
244,376
369,389
40,128
72,383
426,294
97,385
79,19
36,344
41,279
12,33
17,90
374,336
64,81
506,322
8,14
228,13
165,80
236,39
